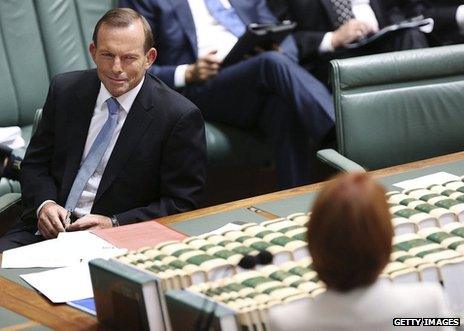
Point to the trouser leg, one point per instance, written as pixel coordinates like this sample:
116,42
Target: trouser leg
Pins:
20,235
270,88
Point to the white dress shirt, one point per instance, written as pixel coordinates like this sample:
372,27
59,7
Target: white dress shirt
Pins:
100,114
210,36
362,11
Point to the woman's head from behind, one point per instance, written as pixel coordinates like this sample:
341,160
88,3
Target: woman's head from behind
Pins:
350,232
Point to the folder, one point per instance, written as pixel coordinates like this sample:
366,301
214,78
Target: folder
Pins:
425,25
264,36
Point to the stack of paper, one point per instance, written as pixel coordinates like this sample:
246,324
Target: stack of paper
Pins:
11,136
71,251
70,248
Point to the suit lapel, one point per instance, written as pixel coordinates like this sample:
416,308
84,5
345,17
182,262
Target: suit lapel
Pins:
78,121
185,18
137,121
330,12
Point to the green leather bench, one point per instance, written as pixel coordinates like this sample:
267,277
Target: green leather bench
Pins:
397,107
39,39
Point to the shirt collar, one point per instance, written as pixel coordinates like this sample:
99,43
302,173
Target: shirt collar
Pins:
125,100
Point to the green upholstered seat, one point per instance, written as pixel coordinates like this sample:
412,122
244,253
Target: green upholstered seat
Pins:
397,107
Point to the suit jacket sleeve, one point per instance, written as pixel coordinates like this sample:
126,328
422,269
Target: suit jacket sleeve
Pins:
182,171
37,182
147,10
288,45
444,16
307,41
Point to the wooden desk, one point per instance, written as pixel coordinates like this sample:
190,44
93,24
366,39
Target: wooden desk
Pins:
37,308
304,189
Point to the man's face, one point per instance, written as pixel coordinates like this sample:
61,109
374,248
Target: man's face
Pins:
120,57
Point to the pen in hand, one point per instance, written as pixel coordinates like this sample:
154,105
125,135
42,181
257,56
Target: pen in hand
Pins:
67,220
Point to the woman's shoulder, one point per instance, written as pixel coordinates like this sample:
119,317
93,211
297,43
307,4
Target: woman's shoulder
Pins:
425,298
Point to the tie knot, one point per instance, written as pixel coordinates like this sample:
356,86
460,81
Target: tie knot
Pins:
113,106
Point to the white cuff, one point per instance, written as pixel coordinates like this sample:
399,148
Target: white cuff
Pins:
179,75
460,18
41,205
326,43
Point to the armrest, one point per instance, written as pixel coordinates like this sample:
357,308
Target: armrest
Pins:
37,118
338,161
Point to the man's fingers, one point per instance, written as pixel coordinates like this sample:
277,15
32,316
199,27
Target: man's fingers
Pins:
62,213
47,229
76,226
56,223
210,60
205,73
208,65
43,231
81,224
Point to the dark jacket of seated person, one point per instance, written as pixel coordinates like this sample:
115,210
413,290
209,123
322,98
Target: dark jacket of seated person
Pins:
448,16
114,145
325,26
350,241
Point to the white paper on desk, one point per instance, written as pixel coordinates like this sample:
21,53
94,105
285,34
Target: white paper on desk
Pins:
63,284
425,181
70,248
228,227
11,136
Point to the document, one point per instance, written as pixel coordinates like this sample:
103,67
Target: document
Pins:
138,235
233,226
69,248
63,284
264,36
425,181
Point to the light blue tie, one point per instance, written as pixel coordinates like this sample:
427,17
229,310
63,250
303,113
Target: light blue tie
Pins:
95,155
227,17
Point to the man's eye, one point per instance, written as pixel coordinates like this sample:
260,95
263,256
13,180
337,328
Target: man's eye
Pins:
107,54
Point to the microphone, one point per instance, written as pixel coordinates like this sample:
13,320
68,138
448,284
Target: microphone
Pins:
250,261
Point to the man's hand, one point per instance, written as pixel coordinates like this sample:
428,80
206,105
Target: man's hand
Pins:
349,32
206,67
51,219
90,222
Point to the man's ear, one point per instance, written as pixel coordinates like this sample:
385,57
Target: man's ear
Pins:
151,56
92,50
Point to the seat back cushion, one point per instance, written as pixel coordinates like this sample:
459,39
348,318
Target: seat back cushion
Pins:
400,107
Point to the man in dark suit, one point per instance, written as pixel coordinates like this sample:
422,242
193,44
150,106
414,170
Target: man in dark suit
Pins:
326,26
448,16
114,145
269,90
